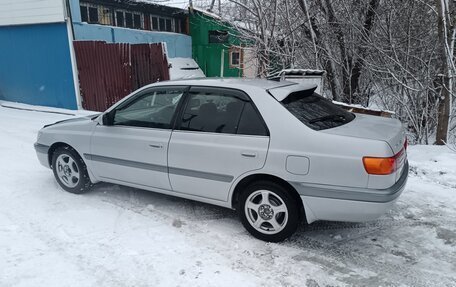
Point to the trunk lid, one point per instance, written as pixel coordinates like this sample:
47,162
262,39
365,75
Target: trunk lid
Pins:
375,128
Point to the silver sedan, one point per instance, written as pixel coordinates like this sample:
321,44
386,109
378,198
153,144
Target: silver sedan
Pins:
275,151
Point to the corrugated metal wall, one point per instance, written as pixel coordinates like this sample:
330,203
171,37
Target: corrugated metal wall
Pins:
109,72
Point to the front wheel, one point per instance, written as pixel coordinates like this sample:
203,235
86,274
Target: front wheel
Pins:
70,170
268,211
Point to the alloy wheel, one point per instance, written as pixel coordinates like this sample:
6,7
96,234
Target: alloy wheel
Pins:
67,170
266,212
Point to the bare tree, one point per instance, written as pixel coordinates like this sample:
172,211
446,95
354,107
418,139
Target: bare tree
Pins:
445,51
396,54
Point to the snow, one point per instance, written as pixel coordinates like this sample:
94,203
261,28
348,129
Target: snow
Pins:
371,107
119,236
171,3
21,106
207,13
302,72
184,68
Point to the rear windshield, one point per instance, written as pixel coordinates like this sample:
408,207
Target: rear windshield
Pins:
315,111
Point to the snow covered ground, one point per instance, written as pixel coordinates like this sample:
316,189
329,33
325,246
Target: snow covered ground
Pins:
119,236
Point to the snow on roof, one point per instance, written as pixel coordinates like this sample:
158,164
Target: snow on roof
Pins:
207,13
302,72
232,22
165,3
360,107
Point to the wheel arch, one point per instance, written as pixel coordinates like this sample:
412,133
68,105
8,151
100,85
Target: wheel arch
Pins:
246,181
56,145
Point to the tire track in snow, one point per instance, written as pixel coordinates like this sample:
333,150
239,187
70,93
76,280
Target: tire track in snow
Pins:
319,251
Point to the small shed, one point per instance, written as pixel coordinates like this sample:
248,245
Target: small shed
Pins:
215,45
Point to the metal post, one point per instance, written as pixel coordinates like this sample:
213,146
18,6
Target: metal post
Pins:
222,62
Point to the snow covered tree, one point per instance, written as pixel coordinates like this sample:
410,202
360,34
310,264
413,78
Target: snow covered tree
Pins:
398,55
445,51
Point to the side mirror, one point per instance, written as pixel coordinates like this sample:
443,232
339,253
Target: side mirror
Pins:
108,118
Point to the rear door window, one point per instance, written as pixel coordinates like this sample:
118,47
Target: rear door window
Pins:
315,111
221,111
251,123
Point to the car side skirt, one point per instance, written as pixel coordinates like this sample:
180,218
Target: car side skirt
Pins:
169,192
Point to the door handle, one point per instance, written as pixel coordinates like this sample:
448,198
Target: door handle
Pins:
249,154
156,145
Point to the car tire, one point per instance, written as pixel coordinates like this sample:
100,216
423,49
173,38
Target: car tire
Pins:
70,170
268,211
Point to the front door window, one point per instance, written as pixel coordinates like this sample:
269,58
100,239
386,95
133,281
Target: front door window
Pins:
153,109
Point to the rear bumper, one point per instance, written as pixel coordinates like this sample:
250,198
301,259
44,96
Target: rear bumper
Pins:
322,202
42,154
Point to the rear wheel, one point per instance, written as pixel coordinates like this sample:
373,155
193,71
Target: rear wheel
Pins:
70,171
268,211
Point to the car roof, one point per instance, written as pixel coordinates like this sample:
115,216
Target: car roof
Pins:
278,89
229,82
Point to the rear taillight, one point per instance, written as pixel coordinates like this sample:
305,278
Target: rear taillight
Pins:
379,165
384,165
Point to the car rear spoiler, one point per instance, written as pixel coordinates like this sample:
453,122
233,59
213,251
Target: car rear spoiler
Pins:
282,92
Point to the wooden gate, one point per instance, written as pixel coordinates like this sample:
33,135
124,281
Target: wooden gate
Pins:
109,72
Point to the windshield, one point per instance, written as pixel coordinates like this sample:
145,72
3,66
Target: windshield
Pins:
315,111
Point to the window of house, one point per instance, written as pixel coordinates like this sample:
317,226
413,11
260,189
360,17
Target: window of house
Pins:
93,15
178,28
120,21
89,13
137,21
218,36
235,57
106,16
84,14
168,27
128,20
163,24
155,23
